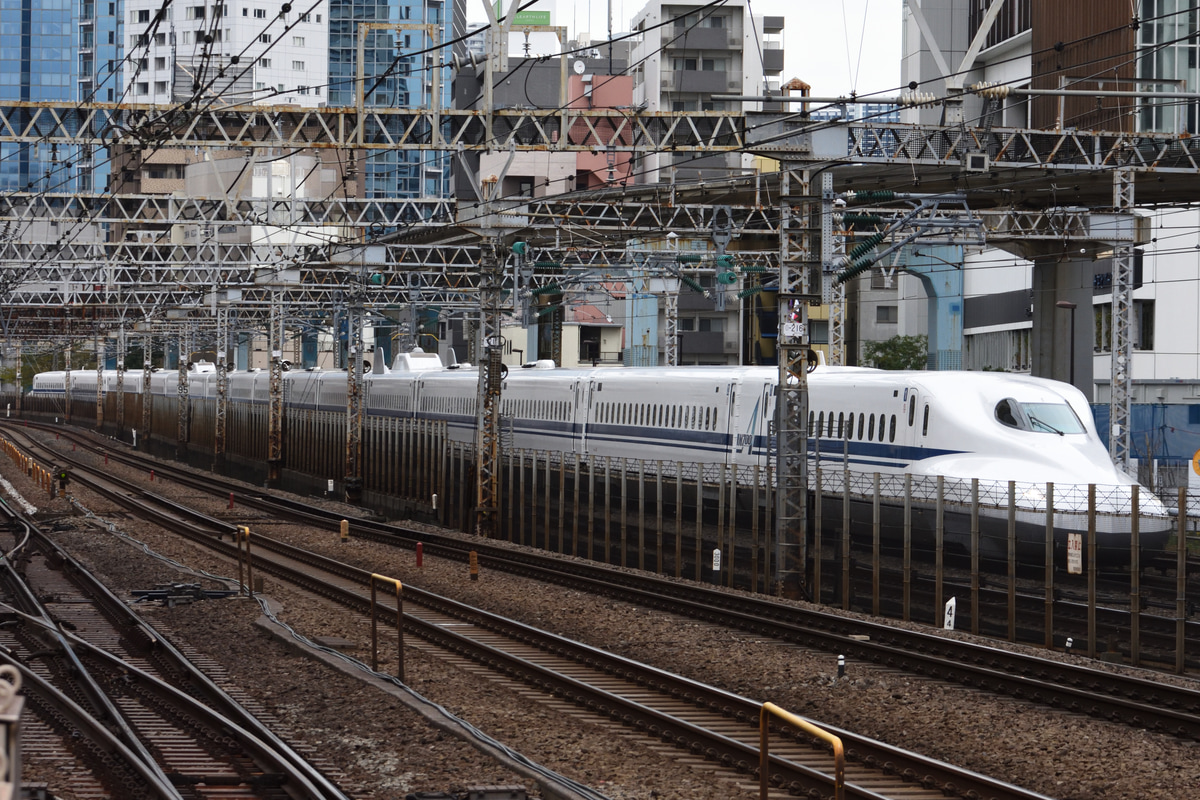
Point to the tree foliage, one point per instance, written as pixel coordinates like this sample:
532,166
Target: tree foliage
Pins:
898,352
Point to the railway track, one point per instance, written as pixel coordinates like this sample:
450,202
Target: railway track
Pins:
694,718
104,685
1125,699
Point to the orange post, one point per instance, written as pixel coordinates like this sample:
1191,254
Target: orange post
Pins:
420,553
474,566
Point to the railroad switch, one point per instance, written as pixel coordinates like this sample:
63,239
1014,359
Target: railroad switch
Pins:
173,594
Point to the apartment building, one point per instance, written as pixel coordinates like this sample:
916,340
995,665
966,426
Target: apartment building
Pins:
684,54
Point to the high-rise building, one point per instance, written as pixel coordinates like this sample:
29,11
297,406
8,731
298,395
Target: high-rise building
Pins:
226,53
399,63
39,43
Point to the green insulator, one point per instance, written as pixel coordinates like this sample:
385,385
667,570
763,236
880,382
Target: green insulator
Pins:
753,290
856,268
862,219
691,283
547,310
547,264
754,268
875,196
727,278
549,288
866,245
696,259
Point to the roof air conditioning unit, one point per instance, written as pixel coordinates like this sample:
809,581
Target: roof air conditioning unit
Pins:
734,85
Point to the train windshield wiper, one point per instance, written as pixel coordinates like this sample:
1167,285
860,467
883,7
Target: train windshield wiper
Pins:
1036,421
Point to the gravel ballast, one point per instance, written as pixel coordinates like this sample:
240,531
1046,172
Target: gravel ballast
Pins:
386,748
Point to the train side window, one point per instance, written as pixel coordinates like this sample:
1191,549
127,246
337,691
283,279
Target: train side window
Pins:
925,423
812,415
860,425
882,424
841,424
871,429
912,410
892,429
821,424
716,412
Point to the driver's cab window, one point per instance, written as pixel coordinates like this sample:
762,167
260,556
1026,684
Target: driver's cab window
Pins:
1004,413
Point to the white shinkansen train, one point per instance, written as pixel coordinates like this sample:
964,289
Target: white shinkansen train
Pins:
994,427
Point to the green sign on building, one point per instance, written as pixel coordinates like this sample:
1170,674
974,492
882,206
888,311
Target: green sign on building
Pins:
524,17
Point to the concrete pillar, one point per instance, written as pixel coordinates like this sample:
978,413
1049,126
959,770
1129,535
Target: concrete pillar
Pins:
1067,280
939,269
308,348
242,351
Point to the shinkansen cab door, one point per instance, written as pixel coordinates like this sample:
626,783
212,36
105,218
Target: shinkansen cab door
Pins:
911,424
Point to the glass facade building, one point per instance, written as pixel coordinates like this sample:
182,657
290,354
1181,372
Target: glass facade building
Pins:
57,51
397,69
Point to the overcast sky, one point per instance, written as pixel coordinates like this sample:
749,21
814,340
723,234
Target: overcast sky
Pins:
837,46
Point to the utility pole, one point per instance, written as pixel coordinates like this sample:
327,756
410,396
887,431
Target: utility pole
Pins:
1120,441
185,353
275,391
99,382
803,229
487,439
147,400
121,379
221,418
354,406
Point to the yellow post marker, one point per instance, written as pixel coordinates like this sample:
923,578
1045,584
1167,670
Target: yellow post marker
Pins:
839,757
345,530
399,625
474,566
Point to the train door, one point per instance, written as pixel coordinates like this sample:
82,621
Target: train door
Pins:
753,425
587,414
733,425
911,424
576,415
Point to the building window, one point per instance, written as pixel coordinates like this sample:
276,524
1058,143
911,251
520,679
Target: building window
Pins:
187,37
160,39
265,38
298,41
306,17
683,63
143,15
298,65
160,62
1142,329
160,87
194,12
260,13
265,63
887,314
143,87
